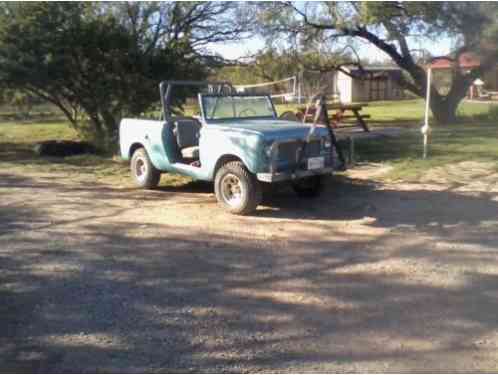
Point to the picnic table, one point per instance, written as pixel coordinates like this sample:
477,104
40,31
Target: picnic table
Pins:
338,112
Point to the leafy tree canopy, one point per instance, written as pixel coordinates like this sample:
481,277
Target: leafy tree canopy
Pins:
99,62
272,64
392,27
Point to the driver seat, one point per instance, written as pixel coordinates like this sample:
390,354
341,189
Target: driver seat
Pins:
187,131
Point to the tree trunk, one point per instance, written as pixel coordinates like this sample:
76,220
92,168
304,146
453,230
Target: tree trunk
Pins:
444,111
110,123
443,108
98,129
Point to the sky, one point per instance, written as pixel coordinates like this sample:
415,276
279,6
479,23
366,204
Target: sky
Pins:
251,46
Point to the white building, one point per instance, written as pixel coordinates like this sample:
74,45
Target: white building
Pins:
371,83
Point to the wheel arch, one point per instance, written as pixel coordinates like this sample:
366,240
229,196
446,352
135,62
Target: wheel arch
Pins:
250,196
223,159
134,147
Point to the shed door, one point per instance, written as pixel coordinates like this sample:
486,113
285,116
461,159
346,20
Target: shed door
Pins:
378,88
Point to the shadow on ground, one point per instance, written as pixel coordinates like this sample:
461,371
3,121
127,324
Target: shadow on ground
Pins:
104,297
343,199
348,199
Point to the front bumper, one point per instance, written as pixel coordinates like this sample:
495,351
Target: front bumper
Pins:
287,176
275,175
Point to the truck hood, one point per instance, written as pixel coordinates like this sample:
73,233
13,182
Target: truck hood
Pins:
271,129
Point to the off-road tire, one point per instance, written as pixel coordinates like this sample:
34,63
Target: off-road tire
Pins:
309,187
141,164
250,195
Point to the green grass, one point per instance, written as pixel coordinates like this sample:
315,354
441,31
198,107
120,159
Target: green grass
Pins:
18,137
448,145
407,112
473,138
16,154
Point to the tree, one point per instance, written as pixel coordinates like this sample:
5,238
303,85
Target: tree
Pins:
392,27
98,62
22,102
265,66
272,64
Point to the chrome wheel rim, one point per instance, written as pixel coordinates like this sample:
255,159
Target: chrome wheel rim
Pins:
140,169
232,190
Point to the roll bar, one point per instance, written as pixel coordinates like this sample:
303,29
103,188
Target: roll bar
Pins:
215,87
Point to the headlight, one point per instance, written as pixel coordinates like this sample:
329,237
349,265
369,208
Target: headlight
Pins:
268,149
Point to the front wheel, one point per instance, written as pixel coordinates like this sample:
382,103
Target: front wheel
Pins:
143,171
236,189
308,187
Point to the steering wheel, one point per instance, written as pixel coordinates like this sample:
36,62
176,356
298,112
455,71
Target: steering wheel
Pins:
249,110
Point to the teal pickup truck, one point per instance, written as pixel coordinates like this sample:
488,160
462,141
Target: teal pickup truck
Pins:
237,141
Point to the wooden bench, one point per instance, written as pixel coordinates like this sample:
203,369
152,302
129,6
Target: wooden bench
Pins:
338,114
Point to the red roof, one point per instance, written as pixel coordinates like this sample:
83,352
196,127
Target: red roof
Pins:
467,60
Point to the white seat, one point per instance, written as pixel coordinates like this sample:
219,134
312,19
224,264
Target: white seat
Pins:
190,152
187,131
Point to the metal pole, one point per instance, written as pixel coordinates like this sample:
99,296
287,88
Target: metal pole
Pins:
426,128
333,139
299,86
351,150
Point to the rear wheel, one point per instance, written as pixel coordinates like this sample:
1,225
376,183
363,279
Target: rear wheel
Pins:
143,171
236,189
308,187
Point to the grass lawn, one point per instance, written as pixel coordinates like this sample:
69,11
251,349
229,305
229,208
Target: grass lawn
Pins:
16,152
474,137
447,145
406,112
18,137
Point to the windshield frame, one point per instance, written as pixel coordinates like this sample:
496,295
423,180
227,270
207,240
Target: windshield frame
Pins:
203,108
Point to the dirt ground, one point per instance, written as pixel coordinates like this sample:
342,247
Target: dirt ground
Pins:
370,277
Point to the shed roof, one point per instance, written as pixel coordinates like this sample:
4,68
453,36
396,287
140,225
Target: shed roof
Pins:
466,60
374,68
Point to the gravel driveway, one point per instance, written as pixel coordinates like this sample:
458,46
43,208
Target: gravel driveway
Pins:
370,277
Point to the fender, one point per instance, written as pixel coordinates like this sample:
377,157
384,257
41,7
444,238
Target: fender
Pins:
146,133
222,142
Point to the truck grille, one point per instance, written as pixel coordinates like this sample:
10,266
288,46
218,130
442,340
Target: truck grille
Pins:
287,158
288,151
313,149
